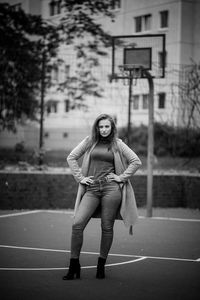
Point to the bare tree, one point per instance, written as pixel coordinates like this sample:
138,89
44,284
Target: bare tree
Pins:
189,92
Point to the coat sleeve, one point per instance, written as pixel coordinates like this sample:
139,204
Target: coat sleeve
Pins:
73,157
130,160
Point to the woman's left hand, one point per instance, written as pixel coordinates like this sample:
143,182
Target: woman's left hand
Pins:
113,177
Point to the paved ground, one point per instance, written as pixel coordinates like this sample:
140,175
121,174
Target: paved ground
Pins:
160,261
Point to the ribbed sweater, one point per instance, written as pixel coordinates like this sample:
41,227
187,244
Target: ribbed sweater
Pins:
101,161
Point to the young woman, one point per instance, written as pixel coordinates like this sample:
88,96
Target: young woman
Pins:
104,185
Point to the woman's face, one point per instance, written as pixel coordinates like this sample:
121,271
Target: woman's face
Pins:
105,127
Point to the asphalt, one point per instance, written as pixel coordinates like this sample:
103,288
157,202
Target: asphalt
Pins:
160,260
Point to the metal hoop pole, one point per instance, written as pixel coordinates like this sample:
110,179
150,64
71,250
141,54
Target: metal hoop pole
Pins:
129,108
150,155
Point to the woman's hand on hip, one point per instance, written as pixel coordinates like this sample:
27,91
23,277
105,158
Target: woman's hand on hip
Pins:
87,180
113,177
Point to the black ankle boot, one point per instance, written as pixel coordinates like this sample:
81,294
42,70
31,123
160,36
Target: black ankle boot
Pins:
74,270
101,268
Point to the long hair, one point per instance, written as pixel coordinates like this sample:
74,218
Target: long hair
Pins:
95,134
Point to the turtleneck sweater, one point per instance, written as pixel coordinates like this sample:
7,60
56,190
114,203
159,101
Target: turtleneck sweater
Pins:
102,160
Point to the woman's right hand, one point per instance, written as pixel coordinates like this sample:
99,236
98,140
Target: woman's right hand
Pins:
87,180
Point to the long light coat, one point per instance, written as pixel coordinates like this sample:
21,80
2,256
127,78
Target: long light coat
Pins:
126,163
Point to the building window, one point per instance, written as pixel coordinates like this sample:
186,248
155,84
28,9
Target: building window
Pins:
52,107
161,100
147,22
65,135
162,59
54,7
136,102
143,23
67,105
67,70
55,72
46,135
116,4
138,24
145,101
164,19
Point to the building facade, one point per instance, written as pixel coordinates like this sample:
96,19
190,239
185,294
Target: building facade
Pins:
179,20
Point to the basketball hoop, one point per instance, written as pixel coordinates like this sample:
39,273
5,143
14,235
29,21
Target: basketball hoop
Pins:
130,71
131,60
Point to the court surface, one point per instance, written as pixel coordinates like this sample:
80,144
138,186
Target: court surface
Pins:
160,261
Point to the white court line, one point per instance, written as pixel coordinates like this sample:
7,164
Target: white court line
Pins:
20,213
66,268
96,253
61,251
66,212
139,258
171,219
34,249
70,212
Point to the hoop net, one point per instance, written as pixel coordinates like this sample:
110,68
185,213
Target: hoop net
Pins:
130,71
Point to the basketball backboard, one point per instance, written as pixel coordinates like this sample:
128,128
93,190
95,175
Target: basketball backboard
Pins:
132,52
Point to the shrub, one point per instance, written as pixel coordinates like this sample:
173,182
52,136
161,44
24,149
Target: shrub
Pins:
168,140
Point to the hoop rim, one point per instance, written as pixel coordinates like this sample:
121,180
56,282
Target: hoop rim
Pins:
128,71
131,67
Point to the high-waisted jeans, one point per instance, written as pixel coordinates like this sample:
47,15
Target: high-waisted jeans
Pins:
108,196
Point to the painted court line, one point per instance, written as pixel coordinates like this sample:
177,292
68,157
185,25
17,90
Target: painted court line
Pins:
63,251
70,212
34,249
171,219
111,254
139,258
20,213
65,212
66,268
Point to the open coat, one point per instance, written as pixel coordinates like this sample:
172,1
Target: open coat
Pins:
126,163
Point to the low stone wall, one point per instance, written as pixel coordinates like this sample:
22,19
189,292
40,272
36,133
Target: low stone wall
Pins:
39,190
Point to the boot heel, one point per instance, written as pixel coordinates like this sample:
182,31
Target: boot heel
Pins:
101,268
74,270
78,275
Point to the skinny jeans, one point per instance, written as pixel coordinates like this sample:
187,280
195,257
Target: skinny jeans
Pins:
106,194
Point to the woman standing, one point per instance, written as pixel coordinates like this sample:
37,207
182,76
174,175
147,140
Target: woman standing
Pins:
108,164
